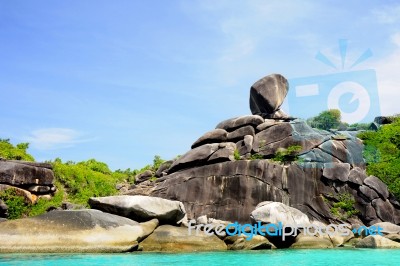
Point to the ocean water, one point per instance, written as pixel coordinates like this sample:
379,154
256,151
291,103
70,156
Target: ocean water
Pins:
287,257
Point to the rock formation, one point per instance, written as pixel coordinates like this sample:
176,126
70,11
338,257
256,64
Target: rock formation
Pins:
232,168
28,179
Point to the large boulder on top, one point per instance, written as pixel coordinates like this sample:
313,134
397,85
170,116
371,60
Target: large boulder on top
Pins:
73,231
268,94
141,208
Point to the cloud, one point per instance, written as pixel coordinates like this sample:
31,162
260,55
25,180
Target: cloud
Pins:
387,70
388,14
55,138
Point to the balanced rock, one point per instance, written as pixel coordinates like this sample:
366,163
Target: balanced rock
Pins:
141,208
73,231
268,94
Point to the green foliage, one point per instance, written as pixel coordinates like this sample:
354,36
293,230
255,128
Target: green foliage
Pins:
287,155
326,120
382,154
86,179
344,207
360,126
11,152
17,207
236,154
256,156
157,161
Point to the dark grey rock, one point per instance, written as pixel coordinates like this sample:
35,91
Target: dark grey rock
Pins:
377,185
268,94
278,114
234,123
214,136
146,175
369,193
385,211
24,173
194,157
357,176
239,133
163,169
3,209
319,156
337,171
246,145
268,123
271,135
336,149
225,153
40,189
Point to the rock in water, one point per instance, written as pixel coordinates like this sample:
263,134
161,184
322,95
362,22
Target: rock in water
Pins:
73,231
268,94
178,239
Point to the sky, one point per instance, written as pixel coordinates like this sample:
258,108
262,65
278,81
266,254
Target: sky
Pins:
122,81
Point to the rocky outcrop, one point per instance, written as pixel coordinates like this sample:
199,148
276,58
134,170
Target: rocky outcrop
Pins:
73,231
30,180
141,208
311,242
177,239
231,169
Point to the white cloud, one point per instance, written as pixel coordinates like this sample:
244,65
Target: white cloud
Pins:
387,70
55,138
388,14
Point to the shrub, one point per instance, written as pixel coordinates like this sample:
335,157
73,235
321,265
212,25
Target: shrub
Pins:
236,154
326,120
256,156
344,207
17,207
11,152
287,155
382,154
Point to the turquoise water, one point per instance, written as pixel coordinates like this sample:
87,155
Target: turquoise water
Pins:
324,257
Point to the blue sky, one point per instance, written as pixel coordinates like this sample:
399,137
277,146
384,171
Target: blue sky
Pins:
122,81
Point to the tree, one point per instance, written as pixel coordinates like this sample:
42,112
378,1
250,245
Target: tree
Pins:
326,119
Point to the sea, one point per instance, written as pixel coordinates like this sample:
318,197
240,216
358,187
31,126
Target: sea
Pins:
283,257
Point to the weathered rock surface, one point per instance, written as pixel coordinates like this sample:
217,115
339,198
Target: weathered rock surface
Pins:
214,136
268,94
73,231
388,228
18,173
241,243
377,241
211,180
177,239
274,212
310,242
141,208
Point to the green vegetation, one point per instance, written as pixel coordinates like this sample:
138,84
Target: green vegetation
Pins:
382,154
344,207
327,120
236,154
287,155
17,206
256,156
17,152
360,126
